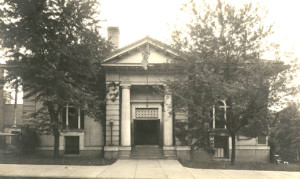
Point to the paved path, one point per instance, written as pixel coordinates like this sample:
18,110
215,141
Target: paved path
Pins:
169,169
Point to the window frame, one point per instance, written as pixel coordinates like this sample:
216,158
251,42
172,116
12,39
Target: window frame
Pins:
224,107
66,119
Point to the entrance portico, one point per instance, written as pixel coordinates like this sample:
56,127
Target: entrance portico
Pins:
139,103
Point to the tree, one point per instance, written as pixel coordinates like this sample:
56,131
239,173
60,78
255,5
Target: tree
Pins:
285,133
57,50
223,46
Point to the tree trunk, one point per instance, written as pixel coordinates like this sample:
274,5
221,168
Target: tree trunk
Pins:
56,142
232,148
55,126
298,157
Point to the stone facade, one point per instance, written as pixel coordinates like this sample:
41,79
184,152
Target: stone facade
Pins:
140,92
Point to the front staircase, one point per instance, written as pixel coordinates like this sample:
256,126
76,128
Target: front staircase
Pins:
147,152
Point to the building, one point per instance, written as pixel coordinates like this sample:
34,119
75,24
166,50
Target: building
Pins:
139,113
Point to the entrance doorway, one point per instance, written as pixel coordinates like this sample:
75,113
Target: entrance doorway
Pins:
146,132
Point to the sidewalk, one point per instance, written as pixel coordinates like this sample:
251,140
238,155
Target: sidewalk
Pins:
169,169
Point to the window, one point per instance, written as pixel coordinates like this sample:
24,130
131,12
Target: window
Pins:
219,117
221,147
146,113
71,144
72,118
219,114
261,139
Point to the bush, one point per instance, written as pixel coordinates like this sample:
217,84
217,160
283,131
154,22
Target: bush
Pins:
29,140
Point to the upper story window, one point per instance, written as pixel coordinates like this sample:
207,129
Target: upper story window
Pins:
219,114
72,117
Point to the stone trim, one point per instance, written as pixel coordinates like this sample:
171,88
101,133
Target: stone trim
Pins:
125,86
169,147
111,148
252,147
93,148
124,148
183,148
64,134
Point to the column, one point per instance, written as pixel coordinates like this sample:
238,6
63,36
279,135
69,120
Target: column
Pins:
125,116
168,118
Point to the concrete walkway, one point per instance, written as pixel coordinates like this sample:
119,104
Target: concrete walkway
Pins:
170,169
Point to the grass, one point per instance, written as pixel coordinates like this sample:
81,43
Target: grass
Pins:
241,166
98,161
43,160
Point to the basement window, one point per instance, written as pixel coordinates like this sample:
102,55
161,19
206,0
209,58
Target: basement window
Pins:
261,139
72,145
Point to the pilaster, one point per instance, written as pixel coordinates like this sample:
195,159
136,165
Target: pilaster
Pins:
168,118
112,114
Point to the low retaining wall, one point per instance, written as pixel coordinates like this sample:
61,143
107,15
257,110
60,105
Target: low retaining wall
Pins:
243,154
252,155
200,155
183,152
92,151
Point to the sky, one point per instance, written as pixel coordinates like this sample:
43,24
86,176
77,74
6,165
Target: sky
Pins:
138,18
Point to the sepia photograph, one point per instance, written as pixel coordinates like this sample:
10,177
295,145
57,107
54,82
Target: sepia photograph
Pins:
160,89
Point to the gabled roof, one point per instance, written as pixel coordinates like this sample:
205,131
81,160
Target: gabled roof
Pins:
139,44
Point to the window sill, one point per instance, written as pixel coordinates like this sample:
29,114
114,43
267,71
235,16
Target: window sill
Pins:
72,130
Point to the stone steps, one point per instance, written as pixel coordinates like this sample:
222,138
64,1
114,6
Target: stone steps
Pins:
147,152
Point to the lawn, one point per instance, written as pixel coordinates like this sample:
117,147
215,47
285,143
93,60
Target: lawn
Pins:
241,166
43,160
98,161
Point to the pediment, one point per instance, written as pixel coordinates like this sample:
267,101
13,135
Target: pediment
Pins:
131,55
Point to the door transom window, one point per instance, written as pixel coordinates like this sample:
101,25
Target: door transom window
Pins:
146,113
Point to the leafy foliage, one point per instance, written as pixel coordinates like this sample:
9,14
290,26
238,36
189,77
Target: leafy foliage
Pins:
285,133
57,50
181,132
223,45
29,141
